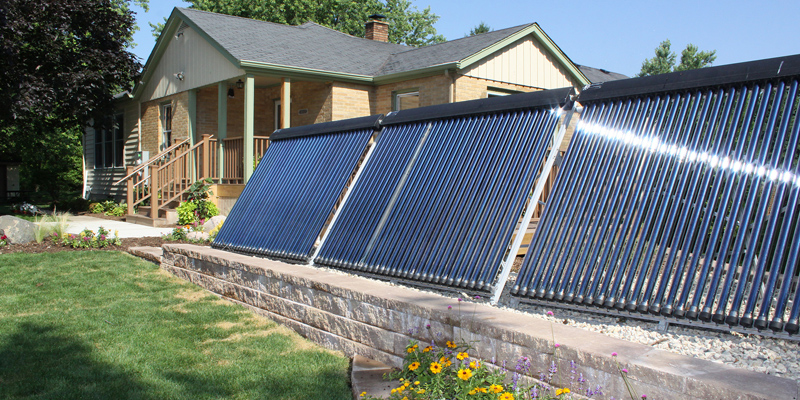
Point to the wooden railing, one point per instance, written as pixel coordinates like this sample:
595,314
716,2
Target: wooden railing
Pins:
157,160
169,179
233,171
170,173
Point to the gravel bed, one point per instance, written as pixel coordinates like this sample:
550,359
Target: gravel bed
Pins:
773,356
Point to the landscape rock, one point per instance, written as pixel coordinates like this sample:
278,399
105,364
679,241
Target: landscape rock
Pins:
18,230
197,235
213,222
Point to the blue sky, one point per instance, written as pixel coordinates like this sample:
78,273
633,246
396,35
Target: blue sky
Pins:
613,35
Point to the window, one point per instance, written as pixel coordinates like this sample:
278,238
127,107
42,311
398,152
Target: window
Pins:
497,92
109,144
166,125
404,100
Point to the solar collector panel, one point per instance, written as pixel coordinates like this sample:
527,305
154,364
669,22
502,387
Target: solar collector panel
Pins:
293,192
445,211
698,217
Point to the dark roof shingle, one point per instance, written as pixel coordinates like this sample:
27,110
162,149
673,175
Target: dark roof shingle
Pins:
317,47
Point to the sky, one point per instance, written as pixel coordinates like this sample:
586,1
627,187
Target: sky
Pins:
615,35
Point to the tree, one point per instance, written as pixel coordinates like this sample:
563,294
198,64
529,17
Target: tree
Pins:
407,25
664,61
61,63
480,28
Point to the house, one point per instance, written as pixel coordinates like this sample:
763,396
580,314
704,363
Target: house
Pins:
216,86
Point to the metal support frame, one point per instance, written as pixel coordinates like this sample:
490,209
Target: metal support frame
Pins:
505,269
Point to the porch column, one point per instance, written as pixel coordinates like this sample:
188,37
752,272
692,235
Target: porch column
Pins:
191,107
249,126
222,126
286,103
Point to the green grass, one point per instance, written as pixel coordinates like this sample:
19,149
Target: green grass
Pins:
105,325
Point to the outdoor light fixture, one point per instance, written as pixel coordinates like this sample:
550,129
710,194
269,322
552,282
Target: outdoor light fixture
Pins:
231,93
180,76
239,84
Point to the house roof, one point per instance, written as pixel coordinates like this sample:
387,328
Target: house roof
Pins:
311,48
597,75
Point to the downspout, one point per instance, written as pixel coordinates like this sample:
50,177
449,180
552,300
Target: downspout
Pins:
451,86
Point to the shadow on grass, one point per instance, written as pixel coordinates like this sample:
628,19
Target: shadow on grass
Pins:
37,361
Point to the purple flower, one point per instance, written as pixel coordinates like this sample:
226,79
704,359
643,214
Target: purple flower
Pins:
477,297
625,370
449,307
86,238
428,326
614,354
102,237
460,299
550,313
557,345
644,396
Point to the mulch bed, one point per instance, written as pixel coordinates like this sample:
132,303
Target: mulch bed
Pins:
48,247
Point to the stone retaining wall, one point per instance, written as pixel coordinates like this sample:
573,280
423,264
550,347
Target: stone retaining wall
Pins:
376,319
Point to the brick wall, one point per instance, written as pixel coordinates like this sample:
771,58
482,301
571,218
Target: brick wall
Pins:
352,100
432,90
315,98
469,88
151,121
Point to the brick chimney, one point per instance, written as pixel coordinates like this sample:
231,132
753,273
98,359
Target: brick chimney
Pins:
376,29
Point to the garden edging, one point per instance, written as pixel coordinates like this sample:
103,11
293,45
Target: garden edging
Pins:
356,315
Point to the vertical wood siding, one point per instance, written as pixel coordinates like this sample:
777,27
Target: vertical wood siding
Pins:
524,62
199,61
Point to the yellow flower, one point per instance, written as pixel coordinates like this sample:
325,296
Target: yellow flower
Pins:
474,364
436,368
451,344
394,391
363,394
448,363
116,234
562,391
421,391
506,396
416,383
496,388
413,366
473,391
462,356
412,348
481,389
401,389
405,397
427,349
464,374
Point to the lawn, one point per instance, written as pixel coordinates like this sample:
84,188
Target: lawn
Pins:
105,325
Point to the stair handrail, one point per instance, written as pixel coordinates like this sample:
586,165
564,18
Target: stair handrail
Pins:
207,139
151,161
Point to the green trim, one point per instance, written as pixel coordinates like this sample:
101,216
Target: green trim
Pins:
300,72
538,33
192,113
222,125
414,74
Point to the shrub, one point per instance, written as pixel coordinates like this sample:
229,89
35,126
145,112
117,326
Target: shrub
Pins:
176,234
118,210
75,204
194,211
96,208
49,224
